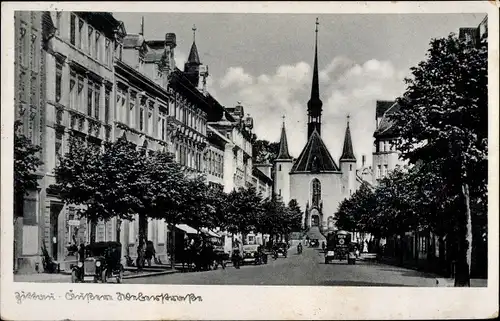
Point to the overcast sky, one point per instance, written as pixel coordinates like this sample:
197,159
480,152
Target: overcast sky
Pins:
265,61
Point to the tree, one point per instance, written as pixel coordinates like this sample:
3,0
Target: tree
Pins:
444,116
264,151
244,209
26,162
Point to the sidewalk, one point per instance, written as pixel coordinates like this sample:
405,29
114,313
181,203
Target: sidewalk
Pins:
129,273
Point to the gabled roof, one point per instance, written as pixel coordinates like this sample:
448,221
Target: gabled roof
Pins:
385,127
315,157
382,106
347,150
133,41
283,151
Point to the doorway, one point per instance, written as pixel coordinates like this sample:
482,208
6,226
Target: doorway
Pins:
55,211
315,220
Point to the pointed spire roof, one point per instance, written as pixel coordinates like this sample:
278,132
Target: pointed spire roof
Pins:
283,152
347,151
194,58
315,157
315,102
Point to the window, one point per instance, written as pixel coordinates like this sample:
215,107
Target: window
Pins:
97,101
72,29
385,170
379,171
121,105
161,125
132,110
150,120
97,52
316,192
80,34
350,192
106,105
80,99
141,117
279,192
58,147
90,40
279,167
72,91
107,56
90,98
350,167
58,81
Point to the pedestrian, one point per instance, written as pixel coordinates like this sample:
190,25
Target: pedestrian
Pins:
81,253
150,252
323,246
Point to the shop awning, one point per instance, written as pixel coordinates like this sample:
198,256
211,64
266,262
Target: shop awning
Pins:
210,232
186,228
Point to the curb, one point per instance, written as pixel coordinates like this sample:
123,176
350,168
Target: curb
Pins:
136,276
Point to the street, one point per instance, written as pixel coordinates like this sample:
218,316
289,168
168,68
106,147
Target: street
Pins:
307,268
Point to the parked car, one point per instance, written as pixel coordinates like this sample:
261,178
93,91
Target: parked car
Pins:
280,249
254,254
101,263
339,247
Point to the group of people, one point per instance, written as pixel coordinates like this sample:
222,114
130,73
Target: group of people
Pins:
145,253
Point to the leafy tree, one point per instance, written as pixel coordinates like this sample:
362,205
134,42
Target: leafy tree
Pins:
444,116
244,208
26,162
295,214
264,151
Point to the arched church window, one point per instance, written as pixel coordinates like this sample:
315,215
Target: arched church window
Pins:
350,167
316,192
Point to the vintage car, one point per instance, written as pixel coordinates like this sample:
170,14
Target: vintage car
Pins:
313,243
280,249
254,254
221,257
338,247
102,262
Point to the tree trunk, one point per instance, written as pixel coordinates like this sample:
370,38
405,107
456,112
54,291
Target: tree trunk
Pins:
93,231
118,229
402,248
143,228
172,255
462,275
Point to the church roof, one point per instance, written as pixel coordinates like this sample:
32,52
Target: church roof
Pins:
385,128
194,58
347,151
283,151
315,157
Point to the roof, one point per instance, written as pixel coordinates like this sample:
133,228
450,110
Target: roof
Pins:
186,228
385,127
133,41
154,55
347,150
194,58
261,176
315,157
283,151
382,106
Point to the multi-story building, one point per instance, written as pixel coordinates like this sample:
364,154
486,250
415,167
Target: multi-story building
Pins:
385,156
237,159
262,179
29,105
67,68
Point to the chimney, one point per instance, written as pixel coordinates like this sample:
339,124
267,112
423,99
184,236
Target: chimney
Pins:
170,40
363,160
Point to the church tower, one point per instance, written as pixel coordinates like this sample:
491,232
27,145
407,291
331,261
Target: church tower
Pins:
314,105
194,69
282,167
348,164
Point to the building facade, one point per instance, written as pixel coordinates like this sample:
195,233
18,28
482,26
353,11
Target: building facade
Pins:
73,54
29,106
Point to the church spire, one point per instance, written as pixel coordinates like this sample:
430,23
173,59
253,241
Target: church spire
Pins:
347,151
314,105
194,58
283,151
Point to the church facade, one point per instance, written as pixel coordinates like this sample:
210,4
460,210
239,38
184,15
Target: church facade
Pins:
314,178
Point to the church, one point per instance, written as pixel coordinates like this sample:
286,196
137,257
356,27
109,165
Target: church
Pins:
313,178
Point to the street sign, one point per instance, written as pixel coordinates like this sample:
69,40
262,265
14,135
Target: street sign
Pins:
74,222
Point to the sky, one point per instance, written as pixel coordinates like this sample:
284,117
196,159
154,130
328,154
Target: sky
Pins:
265,62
